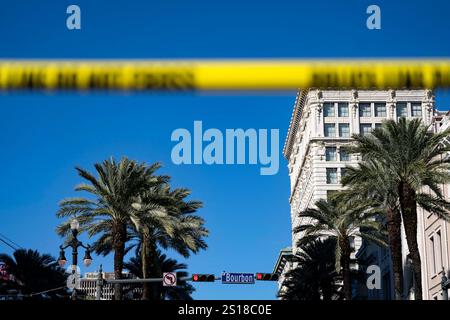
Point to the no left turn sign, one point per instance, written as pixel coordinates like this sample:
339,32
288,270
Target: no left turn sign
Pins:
169,279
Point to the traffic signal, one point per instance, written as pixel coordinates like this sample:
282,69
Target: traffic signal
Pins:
203,277
267,276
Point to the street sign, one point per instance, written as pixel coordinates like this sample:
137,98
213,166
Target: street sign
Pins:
169,279
238,278
73,280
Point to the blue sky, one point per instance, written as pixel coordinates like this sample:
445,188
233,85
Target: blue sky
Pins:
43,136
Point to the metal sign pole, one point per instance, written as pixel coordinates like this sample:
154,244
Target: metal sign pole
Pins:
128,281
99,289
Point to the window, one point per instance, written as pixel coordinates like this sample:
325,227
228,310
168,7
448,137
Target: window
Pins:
438,244
345,156
378,125
364,110
433,255
344,130
330,153
416,109
365,128
436,252
343,109
380,109
328,109
331,175
343,172
330,130
401,110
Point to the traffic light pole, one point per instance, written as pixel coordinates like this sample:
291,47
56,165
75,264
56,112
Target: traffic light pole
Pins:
101,282
127,281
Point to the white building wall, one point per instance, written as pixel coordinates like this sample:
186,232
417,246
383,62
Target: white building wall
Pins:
433,238
306,142
305,152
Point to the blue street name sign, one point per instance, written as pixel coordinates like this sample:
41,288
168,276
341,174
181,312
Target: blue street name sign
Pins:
238,278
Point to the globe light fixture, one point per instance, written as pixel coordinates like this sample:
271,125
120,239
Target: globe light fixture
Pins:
87,257
74,225
62,258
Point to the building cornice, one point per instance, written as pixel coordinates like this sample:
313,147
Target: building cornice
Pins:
295,120
369,95
284,256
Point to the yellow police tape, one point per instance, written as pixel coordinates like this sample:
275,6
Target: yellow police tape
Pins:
223,74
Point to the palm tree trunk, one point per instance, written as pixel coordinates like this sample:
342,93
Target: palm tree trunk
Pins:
149,266
345,264
395,245
408,205
119,239
155,269
145,266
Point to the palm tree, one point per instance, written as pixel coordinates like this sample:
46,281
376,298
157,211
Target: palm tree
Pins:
315,276
33,272
415,158
182,291
368,180
154,215
108,211
342,222
163,218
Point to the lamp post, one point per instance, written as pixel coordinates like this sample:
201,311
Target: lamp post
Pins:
74,243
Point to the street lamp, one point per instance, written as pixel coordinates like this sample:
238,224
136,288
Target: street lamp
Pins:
62,258
74,225
74,243
87,257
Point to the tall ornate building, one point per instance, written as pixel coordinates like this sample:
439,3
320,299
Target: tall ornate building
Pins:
434,235
322,122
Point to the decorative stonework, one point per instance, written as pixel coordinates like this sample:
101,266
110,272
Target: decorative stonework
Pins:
353,104
428,104
307,165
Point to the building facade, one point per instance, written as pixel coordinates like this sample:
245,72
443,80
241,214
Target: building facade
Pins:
322,122
434,235
282,266
88,286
